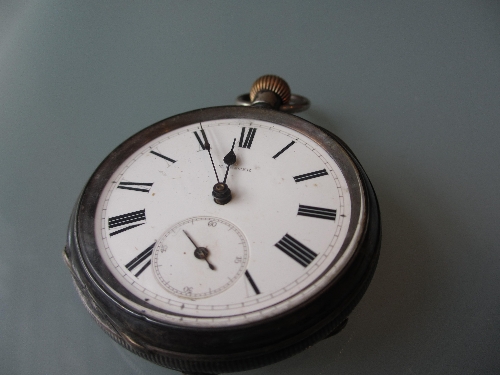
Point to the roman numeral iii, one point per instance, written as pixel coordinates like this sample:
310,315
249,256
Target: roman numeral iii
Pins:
319,212
135,186
248,139
127,221
308,176
295,250
143,259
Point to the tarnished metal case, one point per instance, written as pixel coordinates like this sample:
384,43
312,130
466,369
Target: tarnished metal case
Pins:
224,349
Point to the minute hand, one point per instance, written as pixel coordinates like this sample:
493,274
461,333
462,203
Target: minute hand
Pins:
207,147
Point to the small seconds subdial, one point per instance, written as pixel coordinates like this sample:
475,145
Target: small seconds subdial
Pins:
200,257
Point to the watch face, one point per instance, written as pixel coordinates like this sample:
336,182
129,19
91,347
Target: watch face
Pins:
289,230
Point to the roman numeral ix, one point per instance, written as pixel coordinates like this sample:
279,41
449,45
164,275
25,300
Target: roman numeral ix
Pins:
135,186
319,212
143,258
295,250
127,221
308,176
248,139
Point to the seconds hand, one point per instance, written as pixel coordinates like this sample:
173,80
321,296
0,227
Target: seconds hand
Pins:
207,147
200,252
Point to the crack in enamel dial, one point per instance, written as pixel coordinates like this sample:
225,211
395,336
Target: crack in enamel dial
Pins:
287,232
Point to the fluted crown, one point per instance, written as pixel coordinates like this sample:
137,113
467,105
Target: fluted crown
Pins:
271,83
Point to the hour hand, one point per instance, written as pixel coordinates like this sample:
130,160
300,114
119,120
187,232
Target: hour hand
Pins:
207,147
229,159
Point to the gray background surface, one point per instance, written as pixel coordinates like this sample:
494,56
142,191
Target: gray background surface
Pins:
412,87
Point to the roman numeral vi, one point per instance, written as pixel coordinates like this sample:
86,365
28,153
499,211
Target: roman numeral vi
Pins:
252,283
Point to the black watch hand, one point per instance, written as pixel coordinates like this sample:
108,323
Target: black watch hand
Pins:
207,147
200,252
229,159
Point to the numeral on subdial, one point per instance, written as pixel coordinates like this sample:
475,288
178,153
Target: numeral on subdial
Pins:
143,258
319,212
295,250
248,139
308,176
135,186
127,221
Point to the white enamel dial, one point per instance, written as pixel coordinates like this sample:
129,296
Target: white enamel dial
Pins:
285,225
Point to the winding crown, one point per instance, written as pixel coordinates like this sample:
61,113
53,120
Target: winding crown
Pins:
271,83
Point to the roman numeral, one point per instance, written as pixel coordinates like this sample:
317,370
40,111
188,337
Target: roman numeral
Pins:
163,156
142,258
135,186
202,143
284,149
308,176
319,212
295,250
127,221
248,139
252,283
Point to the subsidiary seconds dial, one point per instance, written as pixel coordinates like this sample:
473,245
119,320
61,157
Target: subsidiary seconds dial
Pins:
200,257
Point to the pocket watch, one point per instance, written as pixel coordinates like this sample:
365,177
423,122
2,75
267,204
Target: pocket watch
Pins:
226,238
